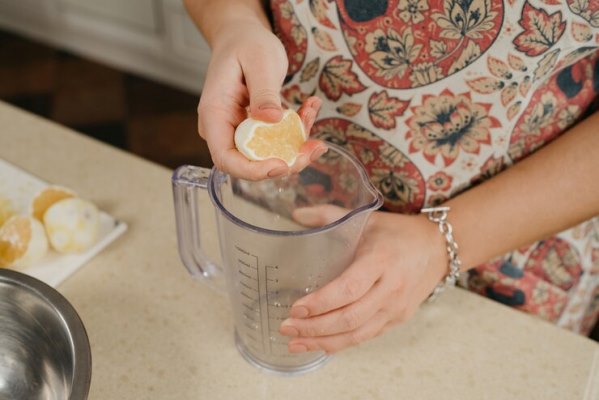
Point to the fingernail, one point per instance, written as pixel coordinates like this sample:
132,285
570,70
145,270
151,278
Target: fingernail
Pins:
306,216
316,102
298,312
288,330
278,171
297,348
318,152
302,159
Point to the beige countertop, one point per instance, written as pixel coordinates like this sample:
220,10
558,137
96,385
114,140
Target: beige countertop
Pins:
157,334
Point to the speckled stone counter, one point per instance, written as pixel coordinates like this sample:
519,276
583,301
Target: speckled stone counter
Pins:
157,334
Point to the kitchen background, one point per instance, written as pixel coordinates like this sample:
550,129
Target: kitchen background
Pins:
128,73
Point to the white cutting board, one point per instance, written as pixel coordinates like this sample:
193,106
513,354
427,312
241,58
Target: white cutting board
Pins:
19,187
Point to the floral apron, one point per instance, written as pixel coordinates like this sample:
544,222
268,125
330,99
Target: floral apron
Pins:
437,96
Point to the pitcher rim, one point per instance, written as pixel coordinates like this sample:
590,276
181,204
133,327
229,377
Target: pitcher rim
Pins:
371,206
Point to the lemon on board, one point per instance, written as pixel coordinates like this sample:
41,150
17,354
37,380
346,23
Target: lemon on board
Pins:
72,225
7,210
259,140
23,241
46,197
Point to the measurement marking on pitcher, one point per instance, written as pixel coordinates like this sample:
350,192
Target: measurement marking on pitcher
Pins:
245,285
247,296
250,317
254,338
251,279
247,276
246,264
249,307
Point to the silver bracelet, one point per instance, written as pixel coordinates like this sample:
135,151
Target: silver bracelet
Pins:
439,216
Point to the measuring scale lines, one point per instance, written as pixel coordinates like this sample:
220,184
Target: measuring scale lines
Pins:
264,306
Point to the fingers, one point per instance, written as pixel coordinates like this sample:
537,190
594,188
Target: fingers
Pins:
222,109
334,343
233,160
319,215
220,132
350,286
345,319
312,149
308,112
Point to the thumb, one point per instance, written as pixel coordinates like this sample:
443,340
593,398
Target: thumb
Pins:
264,86
319,215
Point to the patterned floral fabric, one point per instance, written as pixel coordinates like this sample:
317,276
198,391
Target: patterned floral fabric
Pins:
436,96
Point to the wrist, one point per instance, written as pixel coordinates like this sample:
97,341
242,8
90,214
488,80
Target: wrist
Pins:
225,22
237,31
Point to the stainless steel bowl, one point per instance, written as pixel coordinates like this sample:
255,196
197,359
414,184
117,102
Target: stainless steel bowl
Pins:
44,349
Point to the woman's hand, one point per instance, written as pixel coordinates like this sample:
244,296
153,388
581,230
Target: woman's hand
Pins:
245,74
399,261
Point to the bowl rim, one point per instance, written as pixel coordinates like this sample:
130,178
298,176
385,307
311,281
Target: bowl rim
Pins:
82,366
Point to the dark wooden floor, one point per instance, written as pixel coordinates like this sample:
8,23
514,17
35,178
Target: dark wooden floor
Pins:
144,117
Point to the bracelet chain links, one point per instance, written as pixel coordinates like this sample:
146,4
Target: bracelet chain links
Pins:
439,216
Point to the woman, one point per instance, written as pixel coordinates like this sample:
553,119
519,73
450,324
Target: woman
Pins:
483,106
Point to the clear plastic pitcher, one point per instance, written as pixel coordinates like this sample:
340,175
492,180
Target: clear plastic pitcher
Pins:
270,259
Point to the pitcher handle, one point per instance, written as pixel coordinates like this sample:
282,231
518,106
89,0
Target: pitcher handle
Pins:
187,180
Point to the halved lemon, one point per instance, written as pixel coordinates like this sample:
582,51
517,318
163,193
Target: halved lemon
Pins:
23,241
7,210
72,225
46,197
259,140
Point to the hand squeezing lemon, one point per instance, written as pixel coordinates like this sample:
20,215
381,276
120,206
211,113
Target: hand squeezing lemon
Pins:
259,140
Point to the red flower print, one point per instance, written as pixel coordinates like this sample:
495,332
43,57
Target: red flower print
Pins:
323,39
587,9
349,109
310,70
447,124
591,314
439,182
511,78
382,109
490,168
541,30
319,9
405,44
436,199
411,11
291,32
337,78
392,52
554,107
581,32
294,95
523,290
557,262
